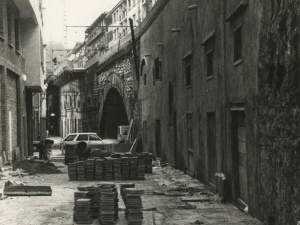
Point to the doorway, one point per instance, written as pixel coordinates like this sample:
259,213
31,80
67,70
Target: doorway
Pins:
175,139
211,150
158,138
239,158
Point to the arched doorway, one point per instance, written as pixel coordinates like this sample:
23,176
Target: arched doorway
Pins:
113,115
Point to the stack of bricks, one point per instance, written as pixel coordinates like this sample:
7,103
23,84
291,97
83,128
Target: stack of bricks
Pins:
108,168
141,166
92,193
90,169
134,207
125,168
98,168
133,162
109,207
82,209
80,170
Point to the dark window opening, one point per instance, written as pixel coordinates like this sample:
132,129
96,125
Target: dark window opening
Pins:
70,101
142,66
157,69
88,100
171,121
188,74
78,104
209,63
237,44
17,35
145,79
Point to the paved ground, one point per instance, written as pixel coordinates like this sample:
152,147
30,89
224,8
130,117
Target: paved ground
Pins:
58,208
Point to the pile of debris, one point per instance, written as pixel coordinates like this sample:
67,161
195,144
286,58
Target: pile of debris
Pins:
36,166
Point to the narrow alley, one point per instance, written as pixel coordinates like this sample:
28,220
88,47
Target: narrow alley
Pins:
161,200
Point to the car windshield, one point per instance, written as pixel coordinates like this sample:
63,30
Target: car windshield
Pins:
70,137
82,137
94,137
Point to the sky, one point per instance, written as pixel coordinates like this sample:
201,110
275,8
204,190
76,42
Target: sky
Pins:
78,13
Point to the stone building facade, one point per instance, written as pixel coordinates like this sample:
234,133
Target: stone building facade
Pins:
21,70
219,94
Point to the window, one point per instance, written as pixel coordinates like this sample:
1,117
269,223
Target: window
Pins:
78,104
237,35
70,138
145,79
82,137
94,137
189,131
9,25
170,104
158,69
188,71
188,74
209,63
129,4
71,101
1,19
142,66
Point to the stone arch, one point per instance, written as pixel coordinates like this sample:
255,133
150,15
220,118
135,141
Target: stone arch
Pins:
113,112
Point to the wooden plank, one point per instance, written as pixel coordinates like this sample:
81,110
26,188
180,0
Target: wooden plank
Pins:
194,199
241,133
242,147
242,159
243,173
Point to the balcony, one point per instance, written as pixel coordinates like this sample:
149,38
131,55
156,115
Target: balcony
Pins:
99,31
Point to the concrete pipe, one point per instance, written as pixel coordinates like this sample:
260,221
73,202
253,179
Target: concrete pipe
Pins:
83,149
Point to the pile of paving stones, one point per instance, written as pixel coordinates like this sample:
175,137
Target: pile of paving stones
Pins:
134,206
117,167
109,203
82,209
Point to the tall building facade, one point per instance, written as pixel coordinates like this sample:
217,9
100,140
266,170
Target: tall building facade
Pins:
22,78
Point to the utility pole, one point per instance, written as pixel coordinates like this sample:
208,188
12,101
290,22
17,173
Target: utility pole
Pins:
134,50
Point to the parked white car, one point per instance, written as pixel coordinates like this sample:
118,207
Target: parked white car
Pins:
92,139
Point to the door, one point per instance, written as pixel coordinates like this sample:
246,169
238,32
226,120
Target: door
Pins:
175,138
158,138
190,151
239,152
211,150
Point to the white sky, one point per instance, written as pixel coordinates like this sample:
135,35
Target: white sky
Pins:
78,13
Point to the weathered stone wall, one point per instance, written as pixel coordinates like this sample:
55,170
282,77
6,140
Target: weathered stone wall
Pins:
279,113
121,75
